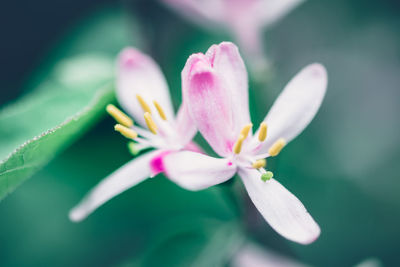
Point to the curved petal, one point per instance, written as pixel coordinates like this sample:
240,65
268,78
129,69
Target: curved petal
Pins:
117,182
137,73
249,35
215,89
270,11
280,208
195,171
210,107
185,126
205,13
229,66
297,105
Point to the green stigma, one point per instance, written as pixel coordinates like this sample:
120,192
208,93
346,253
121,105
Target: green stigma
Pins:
133,148
267,176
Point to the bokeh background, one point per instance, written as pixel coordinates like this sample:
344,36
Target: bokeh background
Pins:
344,167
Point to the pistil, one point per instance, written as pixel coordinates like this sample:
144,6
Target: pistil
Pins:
267,176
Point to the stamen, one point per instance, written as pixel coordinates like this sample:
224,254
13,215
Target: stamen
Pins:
246,129
267,176
125,131
143,104
277,147
262,134
150,123
261,163
238,145
119,116
160,110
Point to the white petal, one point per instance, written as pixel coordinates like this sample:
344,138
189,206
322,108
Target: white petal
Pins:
270,11
280,208
252,255
185,126
216,92
207,13
229,65
137,73
122,179
297,105
195,171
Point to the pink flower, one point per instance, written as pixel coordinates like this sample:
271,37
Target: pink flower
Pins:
143,92
215,89
245,19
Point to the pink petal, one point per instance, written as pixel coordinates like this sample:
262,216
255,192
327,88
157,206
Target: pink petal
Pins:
195,171
215,88
297,105
210,107
129,175
185,126
229,66
137,73
194,148
280,208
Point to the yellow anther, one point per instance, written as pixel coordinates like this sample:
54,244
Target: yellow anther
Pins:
262,134
160,110
238,145
150,123
245,130
261,163
125,131
143,104
277,147
119,116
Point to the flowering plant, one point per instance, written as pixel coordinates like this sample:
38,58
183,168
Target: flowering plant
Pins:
215,90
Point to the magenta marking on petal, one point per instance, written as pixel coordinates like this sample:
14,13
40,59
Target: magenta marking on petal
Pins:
229,145
157,164
230,163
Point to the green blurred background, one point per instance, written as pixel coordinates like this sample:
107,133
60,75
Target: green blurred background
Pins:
344,167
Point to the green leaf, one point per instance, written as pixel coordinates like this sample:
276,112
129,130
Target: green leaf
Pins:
36,152
124,228
71,91
194,241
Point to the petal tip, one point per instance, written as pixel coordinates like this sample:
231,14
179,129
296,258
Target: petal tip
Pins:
227,48
317,70
312,237
76,215
201,68
228,45
129,56
195,63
